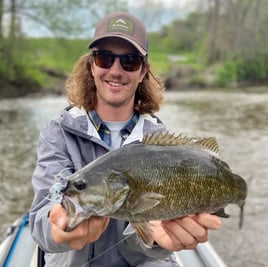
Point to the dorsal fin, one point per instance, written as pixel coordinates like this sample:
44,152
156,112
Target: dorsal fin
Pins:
209,143
168,139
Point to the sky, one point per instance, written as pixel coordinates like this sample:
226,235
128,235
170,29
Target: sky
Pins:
168,3
172,9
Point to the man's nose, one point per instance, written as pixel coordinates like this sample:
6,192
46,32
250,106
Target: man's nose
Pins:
116,65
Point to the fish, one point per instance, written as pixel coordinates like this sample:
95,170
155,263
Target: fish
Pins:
165,176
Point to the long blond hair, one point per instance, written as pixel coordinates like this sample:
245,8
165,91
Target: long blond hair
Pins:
81,89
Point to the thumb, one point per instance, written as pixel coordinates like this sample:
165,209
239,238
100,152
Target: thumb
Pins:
62,223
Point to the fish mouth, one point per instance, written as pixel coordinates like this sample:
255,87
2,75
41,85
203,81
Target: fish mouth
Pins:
75,213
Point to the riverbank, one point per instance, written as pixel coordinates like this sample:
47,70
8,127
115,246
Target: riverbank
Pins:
46,62
15,89
179,79
187,78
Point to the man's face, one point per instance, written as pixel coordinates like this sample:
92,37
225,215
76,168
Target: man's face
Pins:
116,87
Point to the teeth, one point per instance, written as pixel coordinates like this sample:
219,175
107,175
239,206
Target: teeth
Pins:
115,84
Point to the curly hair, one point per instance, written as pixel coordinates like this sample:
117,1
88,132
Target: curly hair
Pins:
81,89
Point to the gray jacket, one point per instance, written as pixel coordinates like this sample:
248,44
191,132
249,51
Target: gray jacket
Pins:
69,142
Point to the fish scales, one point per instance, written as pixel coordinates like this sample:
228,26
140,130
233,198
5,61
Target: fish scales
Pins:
154,181
190,180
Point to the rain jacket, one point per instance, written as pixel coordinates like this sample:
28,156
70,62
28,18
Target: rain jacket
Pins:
69,142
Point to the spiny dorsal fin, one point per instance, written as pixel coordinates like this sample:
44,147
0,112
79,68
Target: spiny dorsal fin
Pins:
209,143
168,139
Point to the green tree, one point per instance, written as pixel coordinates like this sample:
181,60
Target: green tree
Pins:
1,19
184,34
60,19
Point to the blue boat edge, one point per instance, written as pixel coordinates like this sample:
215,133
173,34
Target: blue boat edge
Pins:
19,247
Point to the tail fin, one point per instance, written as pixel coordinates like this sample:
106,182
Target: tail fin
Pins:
241,216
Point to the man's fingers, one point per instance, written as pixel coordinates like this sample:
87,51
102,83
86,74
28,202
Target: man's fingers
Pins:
211,222
188,231
87,231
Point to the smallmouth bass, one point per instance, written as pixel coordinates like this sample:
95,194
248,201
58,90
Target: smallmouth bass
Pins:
164,177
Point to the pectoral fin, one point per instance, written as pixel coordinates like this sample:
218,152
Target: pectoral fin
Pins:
145,202
144,233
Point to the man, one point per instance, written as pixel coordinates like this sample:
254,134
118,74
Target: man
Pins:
113,97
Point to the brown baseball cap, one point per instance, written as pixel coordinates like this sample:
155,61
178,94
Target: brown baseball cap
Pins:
122,25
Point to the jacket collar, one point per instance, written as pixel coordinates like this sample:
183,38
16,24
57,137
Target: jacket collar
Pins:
76,120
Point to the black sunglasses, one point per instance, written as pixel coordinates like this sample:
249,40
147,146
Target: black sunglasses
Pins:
129,62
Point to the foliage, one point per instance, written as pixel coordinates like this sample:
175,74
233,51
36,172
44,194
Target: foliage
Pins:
20,70
70,18
226,73
49,16
254,70
183,35
56,53
229,36
244,70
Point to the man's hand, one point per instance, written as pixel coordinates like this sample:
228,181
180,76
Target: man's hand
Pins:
185,232
87,231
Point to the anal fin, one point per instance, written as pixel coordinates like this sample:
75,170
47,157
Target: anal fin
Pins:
144,233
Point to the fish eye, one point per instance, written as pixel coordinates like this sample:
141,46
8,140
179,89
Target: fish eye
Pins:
80,184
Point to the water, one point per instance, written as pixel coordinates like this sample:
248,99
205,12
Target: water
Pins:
20,124
237,120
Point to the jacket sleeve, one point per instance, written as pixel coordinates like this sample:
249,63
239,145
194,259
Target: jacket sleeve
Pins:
52,158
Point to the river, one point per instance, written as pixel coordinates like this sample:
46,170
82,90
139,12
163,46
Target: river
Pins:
237,120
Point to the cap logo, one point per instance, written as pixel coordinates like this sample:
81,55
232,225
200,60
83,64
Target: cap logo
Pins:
123,25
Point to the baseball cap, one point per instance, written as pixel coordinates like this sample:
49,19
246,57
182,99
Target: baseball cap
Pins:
122,25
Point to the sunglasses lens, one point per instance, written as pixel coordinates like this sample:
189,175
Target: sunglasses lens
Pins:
131,62
105,59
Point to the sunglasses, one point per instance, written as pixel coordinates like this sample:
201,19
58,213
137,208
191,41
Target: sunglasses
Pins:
129,62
